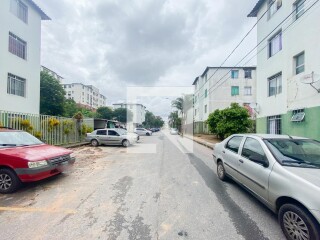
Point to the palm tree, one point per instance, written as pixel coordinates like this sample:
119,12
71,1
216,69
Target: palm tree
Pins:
178,104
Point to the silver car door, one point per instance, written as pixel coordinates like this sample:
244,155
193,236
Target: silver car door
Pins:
102,136
113,137
230,156
254,173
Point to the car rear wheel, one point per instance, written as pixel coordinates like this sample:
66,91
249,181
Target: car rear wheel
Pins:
125,143
221,171
297,223
94,143
148,134
9,181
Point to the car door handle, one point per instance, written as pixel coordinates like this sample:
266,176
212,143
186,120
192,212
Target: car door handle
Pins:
240,160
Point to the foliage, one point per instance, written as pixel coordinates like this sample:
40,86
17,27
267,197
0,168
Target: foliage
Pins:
232,120
175,120
1,125
70,108
122,115
51,95
178,104
86,129
87,113
152,121
24,124
67,126
104,113
38,135
78,116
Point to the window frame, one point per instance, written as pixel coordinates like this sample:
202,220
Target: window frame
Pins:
248,157
270,44
302,54
20,10
245,92
278,86
278,124
272,4
232,74
232,92
248,73
296,5
102,134
15,43
205,108
14,80
231,150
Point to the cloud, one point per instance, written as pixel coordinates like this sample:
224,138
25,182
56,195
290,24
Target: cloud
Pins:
113,44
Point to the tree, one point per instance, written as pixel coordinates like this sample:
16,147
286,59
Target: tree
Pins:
174,120
122,115
232,120
152,121
178,104
51,95
104,112
70,108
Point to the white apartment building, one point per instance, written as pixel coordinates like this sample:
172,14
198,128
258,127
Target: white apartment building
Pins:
288,67
217,88
20,44
52,73
86,96
138,111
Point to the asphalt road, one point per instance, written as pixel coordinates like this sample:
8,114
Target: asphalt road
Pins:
164,187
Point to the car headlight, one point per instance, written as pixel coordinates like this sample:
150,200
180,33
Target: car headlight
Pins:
37,164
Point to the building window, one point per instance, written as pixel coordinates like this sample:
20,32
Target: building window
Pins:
273,7
247,73
274,124
206,93
299,63
247,91
205,108
275,44
195,112
16,85
275,85
234,90
17,46
234,74
299,8
19,9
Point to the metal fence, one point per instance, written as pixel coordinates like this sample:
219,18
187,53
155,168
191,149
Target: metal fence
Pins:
50,129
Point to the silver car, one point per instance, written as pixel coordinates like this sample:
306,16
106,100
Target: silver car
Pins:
112,136
142,132
282,171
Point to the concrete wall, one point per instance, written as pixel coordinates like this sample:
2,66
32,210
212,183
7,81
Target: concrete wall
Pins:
28,69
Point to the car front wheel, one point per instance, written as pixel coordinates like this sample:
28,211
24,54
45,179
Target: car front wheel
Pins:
94,143
221,171
148,134
297,223
125,143
9,181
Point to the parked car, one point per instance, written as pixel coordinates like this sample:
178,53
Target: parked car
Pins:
283,172
142,132
24,158
173,131
111,136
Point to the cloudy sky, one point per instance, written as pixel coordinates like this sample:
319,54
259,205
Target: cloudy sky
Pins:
115,44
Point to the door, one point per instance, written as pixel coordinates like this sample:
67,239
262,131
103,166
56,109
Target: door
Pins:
113,137
254,175
102,136
231,156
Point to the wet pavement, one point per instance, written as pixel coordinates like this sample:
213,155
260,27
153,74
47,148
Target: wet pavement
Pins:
164,187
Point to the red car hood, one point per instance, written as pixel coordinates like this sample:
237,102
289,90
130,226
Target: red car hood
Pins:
35,153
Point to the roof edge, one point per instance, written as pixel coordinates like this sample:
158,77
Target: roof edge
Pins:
43,15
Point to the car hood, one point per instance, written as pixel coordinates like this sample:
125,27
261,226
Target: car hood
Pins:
35,152
311,175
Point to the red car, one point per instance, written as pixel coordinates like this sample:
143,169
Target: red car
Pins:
24,158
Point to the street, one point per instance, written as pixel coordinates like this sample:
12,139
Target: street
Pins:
160,191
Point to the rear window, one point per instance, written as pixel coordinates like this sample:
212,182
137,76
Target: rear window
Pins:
234,144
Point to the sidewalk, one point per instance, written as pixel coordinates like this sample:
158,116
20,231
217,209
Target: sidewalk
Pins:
204,139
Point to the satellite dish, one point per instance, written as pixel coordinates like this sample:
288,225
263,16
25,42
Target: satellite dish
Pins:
311,79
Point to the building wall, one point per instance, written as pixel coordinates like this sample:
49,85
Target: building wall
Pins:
27,69
219,93
298,35
138,111
85,95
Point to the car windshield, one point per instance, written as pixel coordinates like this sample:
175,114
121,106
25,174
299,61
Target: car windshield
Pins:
296,152
12,139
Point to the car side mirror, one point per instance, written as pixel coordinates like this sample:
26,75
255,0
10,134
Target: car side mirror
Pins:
259,159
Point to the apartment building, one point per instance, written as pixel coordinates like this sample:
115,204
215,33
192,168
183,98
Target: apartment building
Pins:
288,67
52,73
20,35
86,96
138,111
217,88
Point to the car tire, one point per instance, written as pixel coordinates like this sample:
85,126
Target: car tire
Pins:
94,143
9,181
148,134
125,143
221,172
295,221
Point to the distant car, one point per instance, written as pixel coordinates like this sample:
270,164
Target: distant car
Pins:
111,136
173,131
283,172
24,158
142,132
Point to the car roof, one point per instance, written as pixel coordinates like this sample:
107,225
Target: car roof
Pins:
270,136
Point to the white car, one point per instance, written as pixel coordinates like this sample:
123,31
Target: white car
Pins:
174,131
142,132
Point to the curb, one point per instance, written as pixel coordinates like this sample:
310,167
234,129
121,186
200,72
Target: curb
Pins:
206,144
75,145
